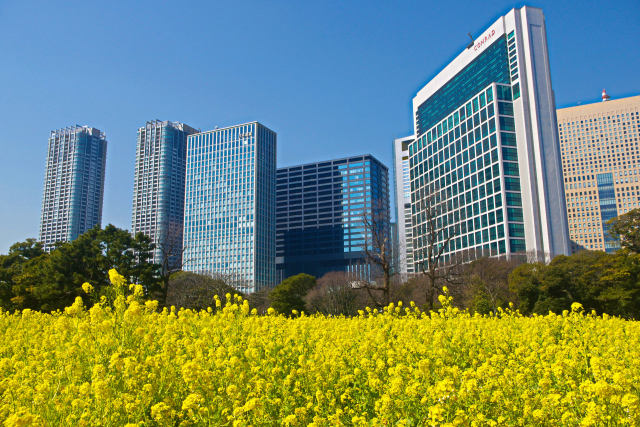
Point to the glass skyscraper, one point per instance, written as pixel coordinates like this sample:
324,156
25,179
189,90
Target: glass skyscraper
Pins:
73,184
158,188
402,187
229,215
487,146
320,210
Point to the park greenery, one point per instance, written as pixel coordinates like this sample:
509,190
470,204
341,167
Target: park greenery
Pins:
31,278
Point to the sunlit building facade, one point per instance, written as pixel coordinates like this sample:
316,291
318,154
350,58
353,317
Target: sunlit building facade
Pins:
158,188
230,205
402,187
73,184
600,145
320,215
487,145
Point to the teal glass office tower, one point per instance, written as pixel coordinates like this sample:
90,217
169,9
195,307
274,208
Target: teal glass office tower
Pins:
320,211
230,205
158,188
487,152
73,184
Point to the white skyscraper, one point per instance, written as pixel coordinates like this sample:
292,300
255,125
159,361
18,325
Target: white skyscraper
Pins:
487,144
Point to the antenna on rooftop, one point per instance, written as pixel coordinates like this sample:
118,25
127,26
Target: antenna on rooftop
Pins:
470,45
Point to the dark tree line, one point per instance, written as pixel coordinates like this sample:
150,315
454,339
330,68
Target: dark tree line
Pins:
604,282
32,278
608,283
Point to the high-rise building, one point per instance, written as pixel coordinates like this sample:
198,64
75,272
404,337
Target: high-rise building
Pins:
600,146
320,215
230,205
73,184
487,146
402,186
158,188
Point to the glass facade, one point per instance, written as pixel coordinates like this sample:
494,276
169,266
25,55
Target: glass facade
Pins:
485,166
490,66
469,161
608,210
320,209
158,188
73,184
229,218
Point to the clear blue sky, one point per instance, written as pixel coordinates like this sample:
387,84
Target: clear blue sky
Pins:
332,78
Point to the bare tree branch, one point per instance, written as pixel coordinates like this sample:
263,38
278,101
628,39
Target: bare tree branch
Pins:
378,252
438,269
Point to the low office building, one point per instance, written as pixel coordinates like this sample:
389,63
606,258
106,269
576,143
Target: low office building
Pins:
487,146
229,213
600,145
320,215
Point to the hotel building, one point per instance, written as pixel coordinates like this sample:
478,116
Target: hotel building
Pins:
230,205
402,187
158,188
320,211
600,146
73,184
487,146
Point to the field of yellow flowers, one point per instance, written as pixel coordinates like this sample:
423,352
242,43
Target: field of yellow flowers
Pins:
125,362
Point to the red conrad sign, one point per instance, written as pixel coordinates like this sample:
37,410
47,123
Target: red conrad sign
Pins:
484,40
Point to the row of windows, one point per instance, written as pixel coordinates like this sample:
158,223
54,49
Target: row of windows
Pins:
490,66
447,158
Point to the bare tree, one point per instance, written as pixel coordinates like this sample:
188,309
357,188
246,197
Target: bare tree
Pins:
171,251
378,251
260,300
196,291
336,293
434,262
487,283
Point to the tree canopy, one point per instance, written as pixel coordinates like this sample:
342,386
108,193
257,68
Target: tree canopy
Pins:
32,278
289,294
626,227
607,283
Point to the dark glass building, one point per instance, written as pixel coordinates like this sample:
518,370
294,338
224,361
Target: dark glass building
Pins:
320,211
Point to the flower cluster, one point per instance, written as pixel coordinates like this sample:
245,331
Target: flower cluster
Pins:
125,362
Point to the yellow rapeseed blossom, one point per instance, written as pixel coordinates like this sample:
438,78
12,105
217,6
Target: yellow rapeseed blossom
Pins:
87,288
126,363
117,279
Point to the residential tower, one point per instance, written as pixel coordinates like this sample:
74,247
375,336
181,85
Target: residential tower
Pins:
73,184
158,188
